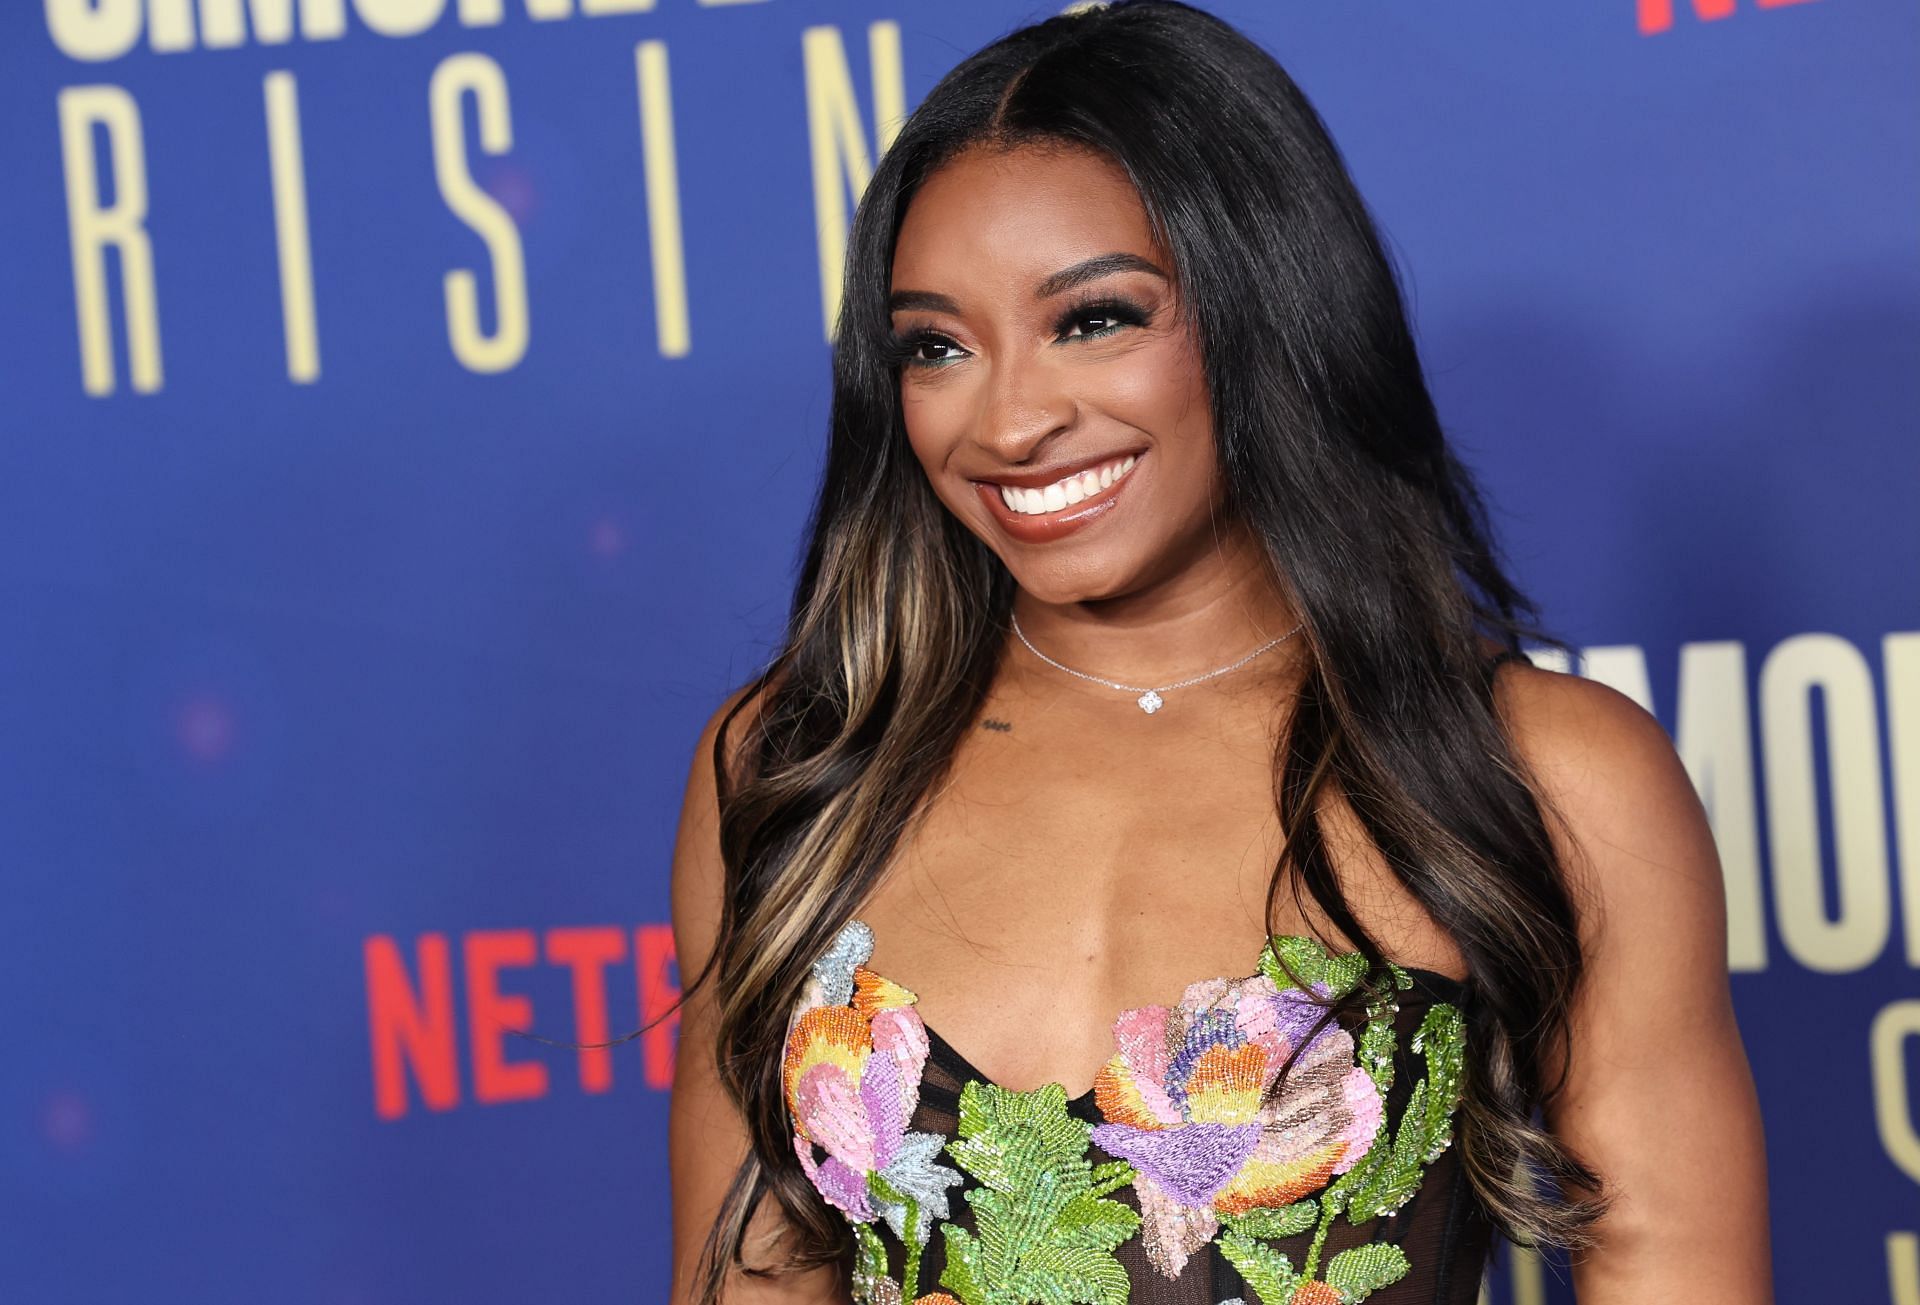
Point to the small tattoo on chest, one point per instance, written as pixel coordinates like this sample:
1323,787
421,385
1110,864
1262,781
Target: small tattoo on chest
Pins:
989,723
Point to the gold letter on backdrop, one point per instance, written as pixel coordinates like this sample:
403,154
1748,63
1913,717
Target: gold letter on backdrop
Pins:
94,31
1856,932
672,332
840,143
290,227
91,228
1893,1109
477,351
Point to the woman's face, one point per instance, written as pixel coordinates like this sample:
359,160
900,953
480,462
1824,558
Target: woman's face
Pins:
1041,353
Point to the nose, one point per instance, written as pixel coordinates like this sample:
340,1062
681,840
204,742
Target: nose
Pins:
1025,403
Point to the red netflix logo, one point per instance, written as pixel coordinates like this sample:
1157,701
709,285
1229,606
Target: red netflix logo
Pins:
1657,15
411,1021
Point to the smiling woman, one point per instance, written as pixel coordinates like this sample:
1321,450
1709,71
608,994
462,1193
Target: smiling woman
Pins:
1125,401
1059,301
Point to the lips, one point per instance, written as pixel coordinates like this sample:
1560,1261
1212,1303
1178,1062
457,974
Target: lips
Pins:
1048,526
1042,477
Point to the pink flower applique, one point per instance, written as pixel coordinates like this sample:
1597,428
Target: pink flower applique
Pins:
854,1055
1186,1101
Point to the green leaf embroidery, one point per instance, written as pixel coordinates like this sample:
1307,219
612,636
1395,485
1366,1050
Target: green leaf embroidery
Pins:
1069,1273
1045,1229
1111,1176
1426,1126
1285,1221
1306,958
962,1274
1302,956
1266,1270
883,1193
1376,1053
1359,1272
1397,1175
1442,1039
870,1261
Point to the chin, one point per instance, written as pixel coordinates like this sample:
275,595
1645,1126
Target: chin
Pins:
1082,580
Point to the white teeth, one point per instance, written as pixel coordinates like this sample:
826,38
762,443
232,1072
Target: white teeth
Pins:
1064,493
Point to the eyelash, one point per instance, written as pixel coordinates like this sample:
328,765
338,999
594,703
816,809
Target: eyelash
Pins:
900,349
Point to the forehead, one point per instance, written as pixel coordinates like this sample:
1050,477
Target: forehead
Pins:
1016,216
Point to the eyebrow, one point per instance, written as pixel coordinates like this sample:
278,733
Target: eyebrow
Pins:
1091,269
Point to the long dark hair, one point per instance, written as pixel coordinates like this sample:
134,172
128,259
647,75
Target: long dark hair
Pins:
1333,455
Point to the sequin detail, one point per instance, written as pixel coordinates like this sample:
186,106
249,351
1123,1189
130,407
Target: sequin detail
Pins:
851,1075
1196,1100
1243,1115
1045,1227
1388,1173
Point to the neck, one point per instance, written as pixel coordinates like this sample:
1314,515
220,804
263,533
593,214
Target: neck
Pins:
1209,615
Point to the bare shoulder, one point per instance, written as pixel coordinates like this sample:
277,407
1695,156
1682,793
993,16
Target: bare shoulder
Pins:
736,714
697,875
1575,732
1630,825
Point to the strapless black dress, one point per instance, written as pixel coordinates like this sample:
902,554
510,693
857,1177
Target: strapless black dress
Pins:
1242,1145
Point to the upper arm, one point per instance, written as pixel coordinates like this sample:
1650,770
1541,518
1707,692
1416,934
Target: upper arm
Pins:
1658,1097
707,1139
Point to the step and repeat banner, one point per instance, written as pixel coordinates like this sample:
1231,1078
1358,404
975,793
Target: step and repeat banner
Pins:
408,414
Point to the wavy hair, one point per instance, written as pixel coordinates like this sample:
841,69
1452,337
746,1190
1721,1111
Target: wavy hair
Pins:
1334,456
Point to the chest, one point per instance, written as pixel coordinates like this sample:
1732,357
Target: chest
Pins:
1080,860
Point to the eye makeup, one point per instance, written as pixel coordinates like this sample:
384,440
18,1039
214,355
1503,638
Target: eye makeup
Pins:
902,348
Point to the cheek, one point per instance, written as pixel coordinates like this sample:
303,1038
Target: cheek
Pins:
924,434
1163,392
933,434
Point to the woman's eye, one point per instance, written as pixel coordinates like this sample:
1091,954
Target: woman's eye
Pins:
930,342
1081,319
1101,317
906,349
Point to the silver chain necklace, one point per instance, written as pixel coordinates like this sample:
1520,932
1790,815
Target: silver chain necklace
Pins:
1150,700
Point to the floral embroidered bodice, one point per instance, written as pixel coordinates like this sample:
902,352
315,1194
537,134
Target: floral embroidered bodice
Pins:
1241,1145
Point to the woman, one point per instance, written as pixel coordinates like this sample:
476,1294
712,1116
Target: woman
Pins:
1151,725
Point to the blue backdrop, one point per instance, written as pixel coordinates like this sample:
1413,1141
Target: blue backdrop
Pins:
410,411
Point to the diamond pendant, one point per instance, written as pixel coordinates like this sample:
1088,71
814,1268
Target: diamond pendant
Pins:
1149,702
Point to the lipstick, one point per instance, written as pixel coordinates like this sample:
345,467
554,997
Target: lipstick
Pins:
1045,527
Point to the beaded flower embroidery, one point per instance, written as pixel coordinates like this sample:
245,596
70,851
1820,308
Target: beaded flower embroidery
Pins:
1217,1144
1189,1099
855,1051
1387,1172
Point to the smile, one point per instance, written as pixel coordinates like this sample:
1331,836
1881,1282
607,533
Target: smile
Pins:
1040,514
1064,493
